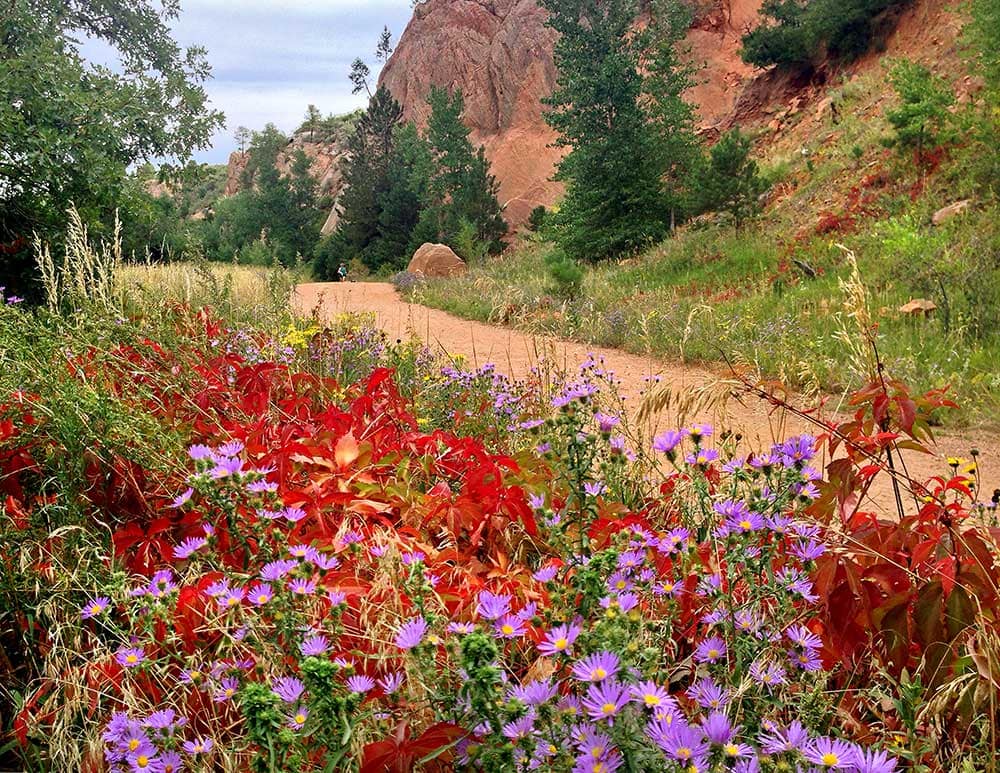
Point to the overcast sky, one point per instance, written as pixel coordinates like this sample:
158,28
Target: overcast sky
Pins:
271,58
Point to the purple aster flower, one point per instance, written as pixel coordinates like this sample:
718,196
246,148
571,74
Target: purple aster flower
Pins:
492,606
336,597
408,559
594,489
606,423
378,550
596,667
594,744
537,501
260,594
793,739
808,551
509,627
360,684
802,638
352,536
326,563
767,674
709,695
718,729
519,729
298,716
667,442
232,599
411,633
806,660
200,745
699,432
559,640
302,587
189,547
390,683
673,542
218,588
797,451
276,570
95,607
13,300
605,699
651,695
546,573
171,762
710,651
228,687
144,760
261,487
162,584
182,499
668,588
873,761
232,448
315,645
623,602
269,515
620,581
306,552
130,657
199,452
462,628
165,721
739,518
288,688
702,457
226,467
681,742
830,753
293,514
535,693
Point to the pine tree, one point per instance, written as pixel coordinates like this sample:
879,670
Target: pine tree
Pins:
460,189
729,181
628,133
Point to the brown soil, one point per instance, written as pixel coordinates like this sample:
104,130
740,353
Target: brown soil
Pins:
517,353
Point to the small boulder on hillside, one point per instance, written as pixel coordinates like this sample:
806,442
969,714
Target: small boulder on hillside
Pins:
436,260
918,307
945,214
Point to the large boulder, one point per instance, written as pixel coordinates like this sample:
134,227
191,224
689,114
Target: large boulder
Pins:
436,260
945,214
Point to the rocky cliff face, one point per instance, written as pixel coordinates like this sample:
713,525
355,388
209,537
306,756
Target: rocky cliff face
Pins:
325,154
499,53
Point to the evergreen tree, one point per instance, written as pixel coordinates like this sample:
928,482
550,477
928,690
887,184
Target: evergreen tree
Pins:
922,117
729,181
628,133
460,189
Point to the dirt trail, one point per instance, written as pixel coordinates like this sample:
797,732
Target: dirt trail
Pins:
516,353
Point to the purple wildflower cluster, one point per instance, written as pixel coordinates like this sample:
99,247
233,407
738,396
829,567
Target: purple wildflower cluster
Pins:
153,744
610,692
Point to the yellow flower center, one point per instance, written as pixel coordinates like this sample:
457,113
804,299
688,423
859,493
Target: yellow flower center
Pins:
560,644
652,700
598,673
684,753
620,585
830,759
745,524
608,708
731,749
300,718
262,598
713,653
597,752
141,761
131,658
507,629
230,692
133,744
96,609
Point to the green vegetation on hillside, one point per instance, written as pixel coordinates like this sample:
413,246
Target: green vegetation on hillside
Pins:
782,296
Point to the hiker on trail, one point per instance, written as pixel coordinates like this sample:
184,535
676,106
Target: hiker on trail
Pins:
342,273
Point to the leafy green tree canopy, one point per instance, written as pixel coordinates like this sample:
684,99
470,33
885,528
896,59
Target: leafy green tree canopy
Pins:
69,129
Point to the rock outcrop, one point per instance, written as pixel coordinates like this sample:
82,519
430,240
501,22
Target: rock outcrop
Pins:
436,260
499,53
325,156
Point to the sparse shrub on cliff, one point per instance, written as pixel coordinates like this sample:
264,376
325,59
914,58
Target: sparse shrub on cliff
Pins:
922,118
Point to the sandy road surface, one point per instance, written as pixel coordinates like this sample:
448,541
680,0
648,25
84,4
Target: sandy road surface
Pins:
516,353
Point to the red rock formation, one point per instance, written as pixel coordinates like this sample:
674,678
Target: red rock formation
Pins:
499,53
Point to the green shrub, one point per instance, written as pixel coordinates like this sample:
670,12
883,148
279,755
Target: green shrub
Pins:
729,180
566,272
922,119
